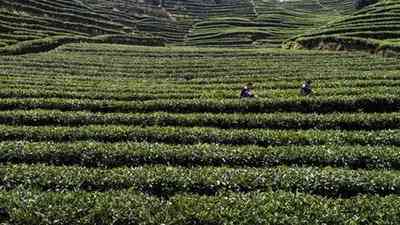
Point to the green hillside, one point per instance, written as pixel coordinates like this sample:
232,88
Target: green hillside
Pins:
40,25
375,29
29,26
274,23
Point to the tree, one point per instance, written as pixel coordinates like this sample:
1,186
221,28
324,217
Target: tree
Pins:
359,4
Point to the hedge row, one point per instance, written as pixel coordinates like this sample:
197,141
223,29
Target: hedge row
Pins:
85,19
182,72
25,87
145,63
190,69
194,52
344,121
79,92
181,135
95,154
49,43
167,180
306,105
27,90
277,208
83,81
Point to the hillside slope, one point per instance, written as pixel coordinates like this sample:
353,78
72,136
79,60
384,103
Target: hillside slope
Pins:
44,23
28,26
375,28
39,25
274,22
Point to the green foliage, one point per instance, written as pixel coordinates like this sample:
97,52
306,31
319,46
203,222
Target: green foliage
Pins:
182,135
116,134
168,181
95,154
279,120
202,23
243,209
370,29
46,44
311,105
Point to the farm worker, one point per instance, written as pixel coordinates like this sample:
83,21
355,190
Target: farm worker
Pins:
247,92
4,214
306,88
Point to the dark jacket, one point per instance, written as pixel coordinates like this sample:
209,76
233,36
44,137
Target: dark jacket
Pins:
305,89
246,93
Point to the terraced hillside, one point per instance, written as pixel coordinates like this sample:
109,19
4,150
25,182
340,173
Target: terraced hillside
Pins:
108,21
110,134
42,22
39,25
274,23
375,29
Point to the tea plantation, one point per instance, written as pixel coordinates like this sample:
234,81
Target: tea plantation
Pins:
374,29
128,112
29,26
115,134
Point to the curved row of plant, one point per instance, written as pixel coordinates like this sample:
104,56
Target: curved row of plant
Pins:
374,29
49,43
129,207
130,57
96,154
140,61
297,104
168,181
61,92
47,19
50,81
70,93
180,135
343,121
82,50
263,84
39,89
162,68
